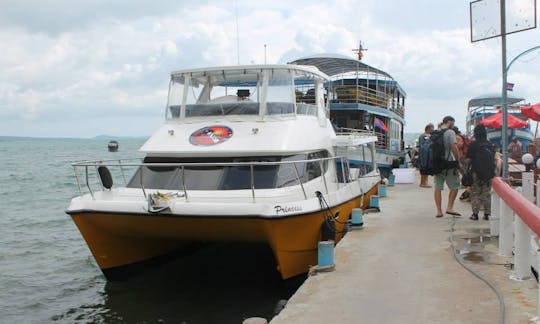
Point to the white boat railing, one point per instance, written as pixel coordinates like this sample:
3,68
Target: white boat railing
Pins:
516,219
359,94
90,177
381,137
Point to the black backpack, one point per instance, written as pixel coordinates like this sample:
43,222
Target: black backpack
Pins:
483,162
440,162
425,155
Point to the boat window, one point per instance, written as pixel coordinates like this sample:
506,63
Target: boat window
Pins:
280,94
176,93
343,171
366,164
305,96
221,93
362,160
229,177
239,92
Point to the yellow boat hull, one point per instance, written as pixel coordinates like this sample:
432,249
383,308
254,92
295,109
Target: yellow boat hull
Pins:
118,240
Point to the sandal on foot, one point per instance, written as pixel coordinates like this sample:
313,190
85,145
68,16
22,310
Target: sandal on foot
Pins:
474,217
465,195
439,216
453,213
486,216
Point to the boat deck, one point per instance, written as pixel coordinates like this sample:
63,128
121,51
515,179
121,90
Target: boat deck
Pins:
400,269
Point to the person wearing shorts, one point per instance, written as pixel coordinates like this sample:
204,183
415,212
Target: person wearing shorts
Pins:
449,176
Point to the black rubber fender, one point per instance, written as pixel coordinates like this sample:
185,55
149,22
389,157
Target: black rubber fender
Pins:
105,176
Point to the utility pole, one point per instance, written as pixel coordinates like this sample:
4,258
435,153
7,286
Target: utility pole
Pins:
504,103
481,32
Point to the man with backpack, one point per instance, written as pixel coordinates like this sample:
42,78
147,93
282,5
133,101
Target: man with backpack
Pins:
481,158
424,155
445,155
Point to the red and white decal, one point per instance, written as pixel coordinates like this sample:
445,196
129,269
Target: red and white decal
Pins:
210,135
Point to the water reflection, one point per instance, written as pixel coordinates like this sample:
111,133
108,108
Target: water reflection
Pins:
219,283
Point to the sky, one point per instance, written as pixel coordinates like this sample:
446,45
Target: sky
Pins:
85,68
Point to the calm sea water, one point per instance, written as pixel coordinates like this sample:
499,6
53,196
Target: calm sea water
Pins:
47,273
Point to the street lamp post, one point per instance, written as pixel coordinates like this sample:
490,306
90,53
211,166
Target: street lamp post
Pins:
480,34
504,129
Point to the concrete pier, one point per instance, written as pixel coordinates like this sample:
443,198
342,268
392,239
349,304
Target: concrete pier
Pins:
400,269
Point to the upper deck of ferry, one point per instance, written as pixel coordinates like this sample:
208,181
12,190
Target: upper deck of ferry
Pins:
356,85
359,94
484,106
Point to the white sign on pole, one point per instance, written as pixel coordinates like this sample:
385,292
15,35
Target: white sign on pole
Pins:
485,18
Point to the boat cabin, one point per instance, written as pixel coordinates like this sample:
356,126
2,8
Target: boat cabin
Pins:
260,91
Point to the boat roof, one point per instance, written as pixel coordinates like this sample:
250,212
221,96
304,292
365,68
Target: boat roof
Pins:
335,64
253,67
492,100
340,65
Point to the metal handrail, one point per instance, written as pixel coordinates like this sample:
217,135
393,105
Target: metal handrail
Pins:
354,131
118,163
366,95
188,164
518,225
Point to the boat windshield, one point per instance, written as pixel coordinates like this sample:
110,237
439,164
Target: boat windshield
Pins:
231,92
229,177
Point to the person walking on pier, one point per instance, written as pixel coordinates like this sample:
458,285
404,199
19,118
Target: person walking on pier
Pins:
424,153
481,158
445,165
515,148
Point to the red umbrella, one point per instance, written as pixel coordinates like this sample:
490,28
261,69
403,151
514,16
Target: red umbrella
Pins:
533,111
495,121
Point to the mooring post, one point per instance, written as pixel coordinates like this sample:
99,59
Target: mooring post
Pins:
537,191
522,233
506,217
521,254
538,290
494,222
527,185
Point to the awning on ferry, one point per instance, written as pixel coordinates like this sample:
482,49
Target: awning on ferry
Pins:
335,64
344,67
492,100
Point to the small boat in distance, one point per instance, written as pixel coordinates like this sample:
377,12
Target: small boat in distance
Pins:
246,154
113,146
484,106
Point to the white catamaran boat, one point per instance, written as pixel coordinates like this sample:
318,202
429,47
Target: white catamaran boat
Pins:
364,98
246,154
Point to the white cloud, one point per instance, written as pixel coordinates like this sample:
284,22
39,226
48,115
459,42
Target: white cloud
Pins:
112,60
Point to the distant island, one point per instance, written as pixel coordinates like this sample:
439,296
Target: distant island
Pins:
99,137
111,137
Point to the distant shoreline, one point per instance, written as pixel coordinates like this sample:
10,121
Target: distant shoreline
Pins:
99,137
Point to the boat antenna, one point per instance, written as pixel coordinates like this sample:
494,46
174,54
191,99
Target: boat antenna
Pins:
237,32
360,51
264,53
